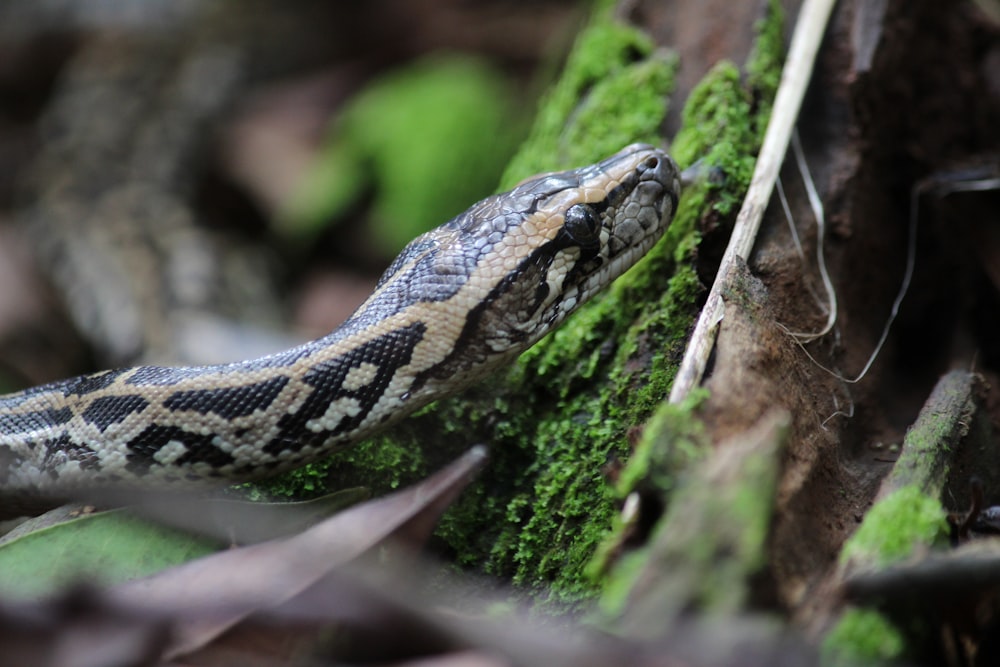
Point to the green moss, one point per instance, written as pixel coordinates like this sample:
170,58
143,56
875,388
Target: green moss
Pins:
672,440
944,421
739,514
725,118
765,62
618,584
719,108
862,637
612,93
711,540
381,464
895,526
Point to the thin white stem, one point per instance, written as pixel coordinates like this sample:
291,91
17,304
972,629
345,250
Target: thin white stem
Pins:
817,208
790,219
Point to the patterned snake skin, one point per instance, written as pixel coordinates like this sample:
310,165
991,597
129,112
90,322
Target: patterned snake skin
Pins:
458,302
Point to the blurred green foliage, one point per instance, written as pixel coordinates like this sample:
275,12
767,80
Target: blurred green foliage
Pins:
427,140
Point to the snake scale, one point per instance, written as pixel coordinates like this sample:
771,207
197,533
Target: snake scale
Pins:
458,302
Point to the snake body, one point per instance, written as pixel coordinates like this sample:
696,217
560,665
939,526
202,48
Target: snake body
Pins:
458,302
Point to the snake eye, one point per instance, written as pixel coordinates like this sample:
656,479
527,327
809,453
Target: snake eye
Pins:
581,223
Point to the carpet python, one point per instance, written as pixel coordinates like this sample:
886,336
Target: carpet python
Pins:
458,302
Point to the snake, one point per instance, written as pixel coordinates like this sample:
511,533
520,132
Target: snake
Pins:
459,302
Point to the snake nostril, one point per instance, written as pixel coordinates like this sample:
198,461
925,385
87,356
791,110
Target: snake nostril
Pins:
652,162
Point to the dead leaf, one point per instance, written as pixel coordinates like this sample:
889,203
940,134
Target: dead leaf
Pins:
230,585
228,520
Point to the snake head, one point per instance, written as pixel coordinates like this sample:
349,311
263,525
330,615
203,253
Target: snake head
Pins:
498,277
584,227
